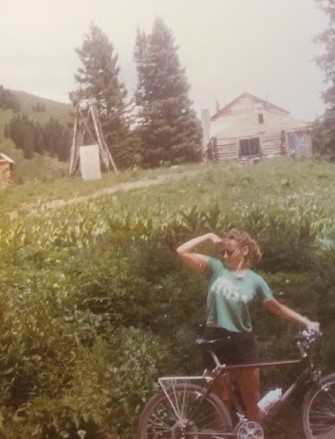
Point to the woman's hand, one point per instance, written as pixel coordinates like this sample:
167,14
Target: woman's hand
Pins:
215,239
313,327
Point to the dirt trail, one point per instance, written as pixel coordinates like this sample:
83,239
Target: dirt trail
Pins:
138,184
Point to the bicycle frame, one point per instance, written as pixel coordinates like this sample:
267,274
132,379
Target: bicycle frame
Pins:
202,392
307,371
209,380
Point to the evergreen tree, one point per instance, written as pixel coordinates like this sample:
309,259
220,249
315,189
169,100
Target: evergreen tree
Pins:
17,128
28,142
57,140
8,100
170,131
98,80
143,69
38,138
325,127
33,137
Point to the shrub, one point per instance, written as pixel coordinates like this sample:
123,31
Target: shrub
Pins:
96,305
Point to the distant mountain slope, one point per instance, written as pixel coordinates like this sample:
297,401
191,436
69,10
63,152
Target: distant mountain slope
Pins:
29,103
41,166
57,110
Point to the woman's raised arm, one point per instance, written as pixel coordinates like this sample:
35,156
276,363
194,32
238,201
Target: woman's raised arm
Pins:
196,261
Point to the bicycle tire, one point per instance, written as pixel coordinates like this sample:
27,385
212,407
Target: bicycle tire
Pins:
159,420
318,410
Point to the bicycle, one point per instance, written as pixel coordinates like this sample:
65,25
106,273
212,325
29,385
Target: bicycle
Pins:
186,406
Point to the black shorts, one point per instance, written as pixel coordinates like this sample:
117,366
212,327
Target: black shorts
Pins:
236,347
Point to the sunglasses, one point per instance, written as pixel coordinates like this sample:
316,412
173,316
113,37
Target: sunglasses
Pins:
229,253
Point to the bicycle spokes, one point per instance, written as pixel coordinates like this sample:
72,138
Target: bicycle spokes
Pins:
184,405
184,411
322,414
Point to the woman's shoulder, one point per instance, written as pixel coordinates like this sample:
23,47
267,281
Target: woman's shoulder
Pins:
215,264
256,277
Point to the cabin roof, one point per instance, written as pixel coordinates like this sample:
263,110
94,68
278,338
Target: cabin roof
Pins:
244,125
267,105
6,158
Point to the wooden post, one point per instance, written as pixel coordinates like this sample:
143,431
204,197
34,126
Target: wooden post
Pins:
72,167
83,121
106,154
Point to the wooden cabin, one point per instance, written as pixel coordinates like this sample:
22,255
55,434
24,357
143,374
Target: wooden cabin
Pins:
250,127
6,170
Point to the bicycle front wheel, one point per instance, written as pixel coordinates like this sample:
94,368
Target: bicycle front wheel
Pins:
318,411
183,412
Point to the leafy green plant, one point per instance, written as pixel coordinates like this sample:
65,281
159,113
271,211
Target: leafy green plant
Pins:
95,304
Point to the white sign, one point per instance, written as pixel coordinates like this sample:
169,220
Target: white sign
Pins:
90,162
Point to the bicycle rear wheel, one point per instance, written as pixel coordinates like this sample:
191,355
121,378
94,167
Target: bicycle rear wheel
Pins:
318,410
183,413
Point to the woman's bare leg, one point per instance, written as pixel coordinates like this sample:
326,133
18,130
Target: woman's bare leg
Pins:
222,388
249,384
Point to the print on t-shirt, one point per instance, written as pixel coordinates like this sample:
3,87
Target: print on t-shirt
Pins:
225,288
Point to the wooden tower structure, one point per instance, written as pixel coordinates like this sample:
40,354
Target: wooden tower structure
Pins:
86,117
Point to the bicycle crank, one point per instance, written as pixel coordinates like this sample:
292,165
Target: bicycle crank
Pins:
249,430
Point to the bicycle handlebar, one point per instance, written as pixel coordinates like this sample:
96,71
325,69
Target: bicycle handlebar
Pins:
304,339
307,336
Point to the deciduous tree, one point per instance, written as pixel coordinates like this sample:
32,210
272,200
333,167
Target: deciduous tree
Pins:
325,132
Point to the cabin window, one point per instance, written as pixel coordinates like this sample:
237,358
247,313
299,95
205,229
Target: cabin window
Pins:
250,147
260,118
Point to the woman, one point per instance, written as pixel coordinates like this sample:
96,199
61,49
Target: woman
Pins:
231,286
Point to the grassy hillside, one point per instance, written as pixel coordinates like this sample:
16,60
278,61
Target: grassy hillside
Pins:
5,117
57,110
41,166
223,184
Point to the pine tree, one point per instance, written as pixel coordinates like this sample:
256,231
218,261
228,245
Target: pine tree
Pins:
8,100
170,131
98,80
143,69
38,138
28,143
33,137
325,127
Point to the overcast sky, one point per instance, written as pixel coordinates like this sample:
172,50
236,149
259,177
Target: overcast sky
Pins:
264,47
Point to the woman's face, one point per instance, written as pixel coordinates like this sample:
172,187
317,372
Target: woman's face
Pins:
233,253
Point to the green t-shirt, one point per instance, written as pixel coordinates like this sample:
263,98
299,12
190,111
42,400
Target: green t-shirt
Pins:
229,295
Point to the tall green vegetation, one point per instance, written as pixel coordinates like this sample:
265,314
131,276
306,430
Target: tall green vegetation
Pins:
96,303
325,134
168,126
98,81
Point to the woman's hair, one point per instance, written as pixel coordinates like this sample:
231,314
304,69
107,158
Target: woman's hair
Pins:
244,239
